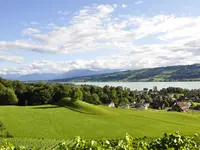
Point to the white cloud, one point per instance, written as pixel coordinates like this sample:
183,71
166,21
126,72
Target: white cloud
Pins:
14,59
97,28
34,23
63,13
94,27
124,5
138,2
115,5
187,27
146,56
30,31
29,23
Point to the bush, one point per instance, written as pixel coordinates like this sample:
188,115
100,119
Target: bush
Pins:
81,144
8,97
10,146
197,107
3,132
173,142
167,142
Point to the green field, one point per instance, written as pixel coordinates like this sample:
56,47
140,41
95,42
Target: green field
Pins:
51,122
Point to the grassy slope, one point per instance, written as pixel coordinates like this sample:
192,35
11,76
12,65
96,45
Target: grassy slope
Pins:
63,123
86,108
171,73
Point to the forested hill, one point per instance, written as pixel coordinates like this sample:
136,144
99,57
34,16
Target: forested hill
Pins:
170,73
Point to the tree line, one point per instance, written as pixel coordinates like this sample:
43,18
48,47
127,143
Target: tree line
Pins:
22,94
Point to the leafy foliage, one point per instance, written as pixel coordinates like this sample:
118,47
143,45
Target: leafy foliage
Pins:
167,142
3,132
18,93
64,101
7,96
174,142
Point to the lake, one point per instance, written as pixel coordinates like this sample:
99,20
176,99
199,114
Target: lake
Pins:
141,85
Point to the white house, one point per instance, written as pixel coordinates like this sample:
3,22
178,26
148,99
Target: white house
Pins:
141,106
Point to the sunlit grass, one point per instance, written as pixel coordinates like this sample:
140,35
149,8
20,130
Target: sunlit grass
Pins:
52,122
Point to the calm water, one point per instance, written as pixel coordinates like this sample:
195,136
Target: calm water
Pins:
149,85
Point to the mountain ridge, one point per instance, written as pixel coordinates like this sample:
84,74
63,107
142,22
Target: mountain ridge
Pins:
168,73
52,76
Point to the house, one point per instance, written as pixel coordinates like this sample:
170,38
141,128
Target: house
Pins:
140,105
112,104
181,106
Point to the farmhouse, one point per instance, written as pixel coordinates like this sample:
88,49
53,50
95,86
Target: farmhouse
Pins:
181,106
140,105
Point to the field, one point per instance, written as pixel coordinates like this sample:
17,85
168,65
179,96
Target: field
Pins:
51,122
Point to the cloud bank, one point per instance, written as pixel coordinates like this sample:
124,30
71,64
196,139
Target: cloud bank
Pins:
176,40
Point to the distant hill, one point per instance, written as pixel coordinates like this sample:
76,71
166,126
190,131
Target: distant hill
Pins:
52,76
170,73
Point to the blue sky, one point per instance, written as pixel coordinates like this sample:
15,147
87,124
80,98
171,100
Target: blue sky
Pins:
58,35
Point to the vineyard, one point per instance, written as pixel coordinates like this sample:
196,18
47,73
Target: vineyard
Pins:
166,142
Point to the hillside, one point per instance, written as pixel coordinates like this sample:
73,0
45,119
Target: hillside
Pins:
51,76
170,73
51,122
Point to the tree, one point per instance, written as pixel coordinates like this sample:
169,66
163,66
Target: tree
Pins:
106,89
8,97
113,97
60,91
104,99
95,98
2,86
76,94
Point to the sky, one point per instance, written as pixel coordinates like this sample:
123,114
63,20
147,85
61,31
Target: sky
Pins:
55,36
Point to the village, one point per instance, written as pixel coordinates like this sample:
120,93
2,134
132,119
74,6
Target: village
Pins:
161,102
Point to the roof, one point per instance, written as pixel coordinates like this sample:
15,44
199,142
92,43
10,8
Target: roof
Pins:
183,105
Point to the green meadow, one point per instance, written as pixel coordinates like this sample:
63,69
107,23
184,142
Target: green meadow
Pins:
89,121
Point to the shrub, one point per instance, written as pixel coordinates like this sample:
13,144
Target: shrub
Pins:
197,107
3,132
173,142
10,146
167,142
